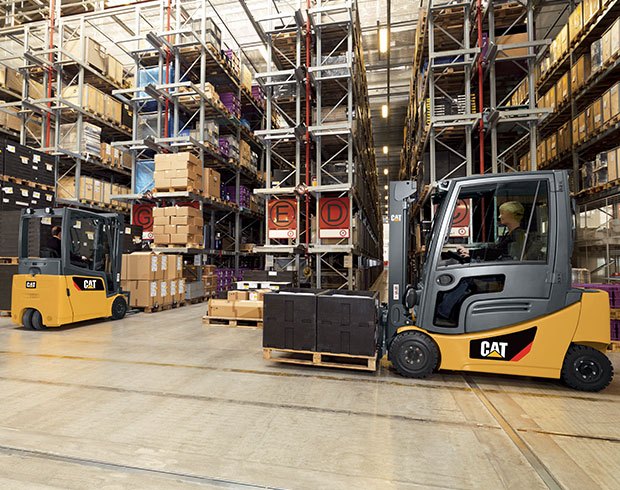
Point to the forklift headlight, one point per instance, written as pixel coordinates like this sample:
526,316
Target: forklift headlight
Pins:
29,211
49,211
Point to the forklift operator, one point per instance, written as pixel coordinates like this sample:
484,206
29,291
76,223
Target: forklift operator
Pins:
510,245
53,242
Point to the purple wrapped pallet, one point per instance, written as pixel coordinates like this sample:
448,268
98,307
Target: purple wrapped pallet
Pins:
613,290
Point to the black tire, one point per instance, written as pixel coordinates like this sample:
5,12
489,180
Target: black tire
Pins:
119,308
27,318
586,369
414,354
37,320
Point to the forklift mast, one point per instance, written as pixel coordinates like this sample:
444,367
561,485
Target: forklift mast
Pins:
402,196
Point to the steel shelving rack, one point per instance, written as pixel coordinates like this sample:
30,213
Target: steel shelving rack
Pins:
321,143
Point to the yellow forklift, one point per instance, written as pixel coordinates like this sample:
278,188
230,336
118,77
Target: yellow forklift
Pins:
494,291
69,268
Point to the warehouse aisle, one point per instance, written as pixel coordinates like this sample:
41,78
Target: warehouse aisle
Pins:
160,401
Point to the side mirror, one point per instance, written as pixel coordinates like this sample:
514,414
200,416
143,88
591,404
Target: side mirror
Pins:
410,297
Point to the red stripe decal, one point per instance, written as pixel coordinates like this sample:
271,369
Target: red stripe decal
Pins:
526,350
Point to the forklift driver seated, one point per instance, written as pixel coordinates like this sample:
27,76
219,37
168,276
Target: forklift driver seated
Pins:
52,247
510,245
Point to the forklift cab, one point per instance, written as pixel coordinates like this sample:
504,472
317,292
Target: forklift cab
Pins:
495,292
89,245
69,268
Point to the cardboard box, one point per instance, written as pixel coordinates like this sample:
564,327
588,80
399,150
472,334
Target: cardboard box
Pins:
597,114
142,294
580,72
161,239
583,126
184,159
94,53
237,295
9,119
575,130
92,98
562,89
512,39
614,96
251,310
212,183
114,70
35,90
142,266
612,164
112,109
575,22
590,9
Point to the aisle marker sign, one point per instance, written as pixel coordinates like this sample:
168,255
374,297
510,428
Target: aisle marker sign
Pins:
282,218
334,217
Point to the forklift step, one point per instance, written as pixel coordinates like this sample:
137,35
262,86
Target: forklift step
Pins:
322,359
212,321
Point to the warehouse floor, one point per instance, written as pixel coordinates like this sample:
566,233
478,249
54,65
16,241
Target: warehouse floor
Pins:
159,401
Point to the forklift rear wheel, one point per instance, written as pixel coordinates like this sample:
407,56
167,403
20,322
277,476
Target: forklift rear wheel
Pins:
586,369
119,308
37,320
27,318
414,354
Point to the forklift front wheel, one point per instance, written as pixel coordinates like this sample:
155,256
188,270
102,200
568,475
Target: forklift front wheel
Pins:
37,320
414,354
27,318
586,369
119,308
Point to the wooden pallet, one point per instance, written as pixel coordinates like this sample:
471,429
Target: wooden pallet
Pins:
156,308
178,245
216,321
27,183
9,260
323,359
185,188
614,346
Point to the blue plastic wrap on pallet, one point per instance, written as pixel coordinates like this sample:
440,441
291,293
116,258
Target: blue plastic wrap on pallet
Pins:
145,180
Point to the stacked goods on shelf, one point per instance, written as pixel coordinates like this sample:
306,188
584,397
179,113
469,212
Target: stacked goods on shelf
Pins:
604,168
22,196
92,190
256,203
237,305
233,61
92,98
212,183
178,225
244,197
91,139
245,78
258,95
25,163
232,103
9,119
171,287
211,133
115,157
178,172
229,147
245,154
132,239
9,233
96,57
11,80
225,279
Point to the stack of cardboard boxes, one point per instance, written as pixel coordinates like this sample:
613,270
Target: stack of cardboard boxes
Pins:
95,101
115,157
153,279
178,225
209,279
241,305
178,172
93,190
96,56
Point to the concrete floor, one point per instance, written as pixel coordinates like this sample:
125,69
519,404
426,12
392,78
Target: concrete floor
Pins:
159,401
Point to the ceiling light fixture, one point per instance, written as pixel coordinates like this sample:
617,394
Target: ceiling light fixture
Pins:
385,150
384,111
383,39
385,171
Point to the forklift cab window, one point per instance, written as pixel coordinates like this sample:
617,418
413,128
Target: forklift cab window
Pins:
498,222
82,234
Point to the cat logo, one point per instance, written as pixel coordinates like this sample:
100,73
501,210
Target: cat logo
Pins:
90,284
31,284
509,347
493,349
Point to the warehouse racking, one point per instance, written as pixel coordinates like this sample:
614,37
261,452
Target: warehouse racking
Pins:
320,144
150,34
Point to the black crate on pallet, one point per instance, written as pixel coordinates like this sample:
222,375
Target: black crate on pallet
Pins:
269,276
289,320
17,160
132,239
347,322
9,234
7,271
43,168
